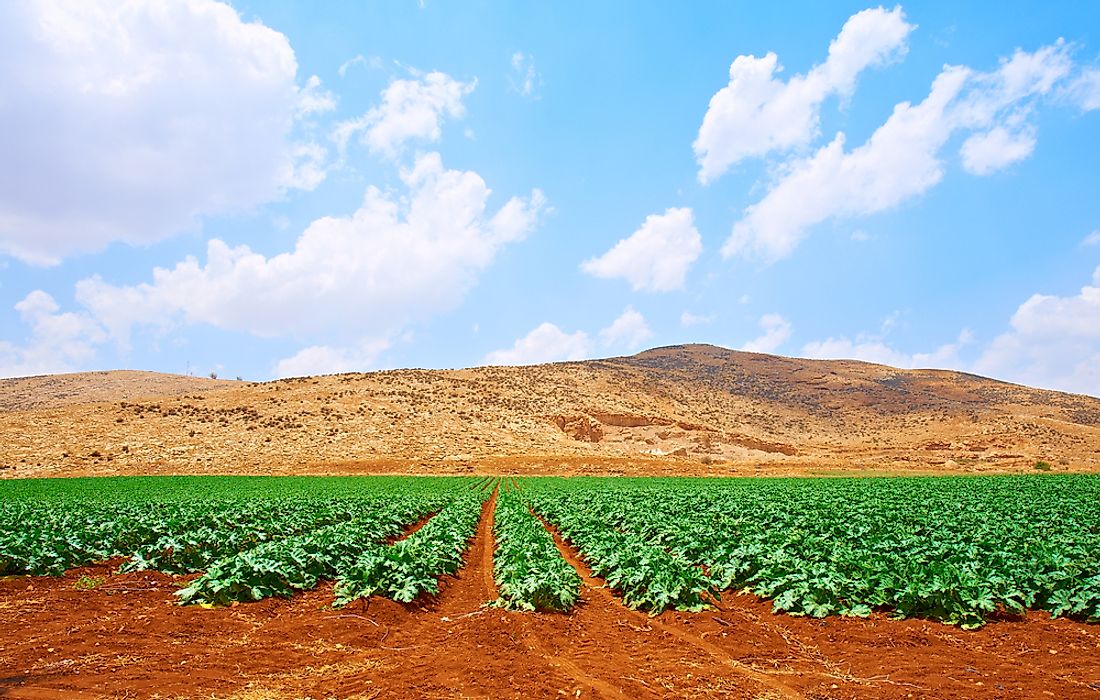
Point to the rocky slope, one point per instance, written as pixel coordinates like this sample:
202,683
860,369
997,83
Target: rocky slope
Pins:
692,409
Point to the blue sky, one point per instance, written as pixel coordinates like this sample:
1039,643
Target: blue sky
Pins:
273,189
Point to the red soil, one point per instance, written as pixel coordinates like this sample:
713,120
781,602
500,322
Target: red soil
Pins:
127,638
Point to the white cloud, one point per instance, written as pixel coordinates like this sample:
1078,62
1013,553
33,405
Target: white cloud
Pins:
393,261
628,331
1054,342
776,332
134,121
996,149
1085,90
1092,239
688,319
890,322
549,343
524,78
324,359
410,109
1053,316
901,159
656,257
58,342
756,113
358,60
876,349
314,99
546,343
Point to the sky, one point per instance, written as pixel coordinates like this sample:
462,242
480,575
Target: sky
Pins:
270,189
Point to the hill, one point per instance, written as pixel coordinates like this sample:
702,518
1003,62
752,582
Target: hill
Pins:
692,409
54,390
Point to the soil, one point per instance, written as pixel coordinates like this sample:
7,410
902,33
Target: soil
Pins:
97,633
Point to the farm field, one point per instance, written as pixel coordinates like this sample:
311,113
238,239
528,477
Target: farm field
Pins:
446,350
602,587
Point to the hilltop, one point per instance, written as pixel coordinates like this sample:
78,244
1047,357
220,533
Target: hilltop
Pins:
55,390
692,409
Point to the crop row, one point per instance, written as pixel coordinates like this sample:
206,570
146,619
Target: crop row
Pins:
951,549
530,573
413,565
188,527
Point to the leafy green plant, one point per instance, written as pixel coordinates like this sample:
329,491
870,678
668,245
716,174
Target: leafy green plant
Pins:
412,566
181,524
529,570
954,549
646,576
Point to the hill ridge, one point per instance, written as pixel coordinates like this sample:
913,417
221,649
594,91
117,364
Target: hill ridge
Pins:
676,409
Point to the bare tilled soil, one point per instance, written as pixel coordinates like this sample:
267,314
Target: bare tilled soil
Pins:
692,409
126,637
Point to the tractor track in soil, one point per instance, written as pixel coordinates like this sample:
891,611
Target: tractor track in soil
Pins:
126,638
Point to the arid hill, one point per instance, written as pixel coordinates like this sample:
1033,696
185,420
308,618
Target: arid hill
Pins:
693,409
53,390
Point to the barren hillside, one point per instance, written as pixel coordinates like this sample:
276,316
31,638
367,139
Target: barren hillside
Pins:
686,409
53,390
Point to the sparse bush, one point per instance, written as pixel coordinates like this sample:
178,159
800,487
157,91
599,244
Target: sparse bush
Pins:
1043,466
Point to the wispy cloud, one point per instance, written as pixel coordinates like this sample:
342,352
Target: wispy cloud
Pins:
524,78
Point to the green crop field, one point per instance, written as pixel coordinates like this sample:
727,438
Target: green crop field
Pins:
955,549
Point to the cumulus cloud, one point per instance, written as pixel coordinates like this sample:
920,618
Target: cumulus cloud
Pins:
656,257
875,349
1077,316
325,359
315,99
58,342
549,343
524,79
758,113
393,261
997,148
776,332
134,121
1053,342
410,109
1092,239
629,331
901,159
545,343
